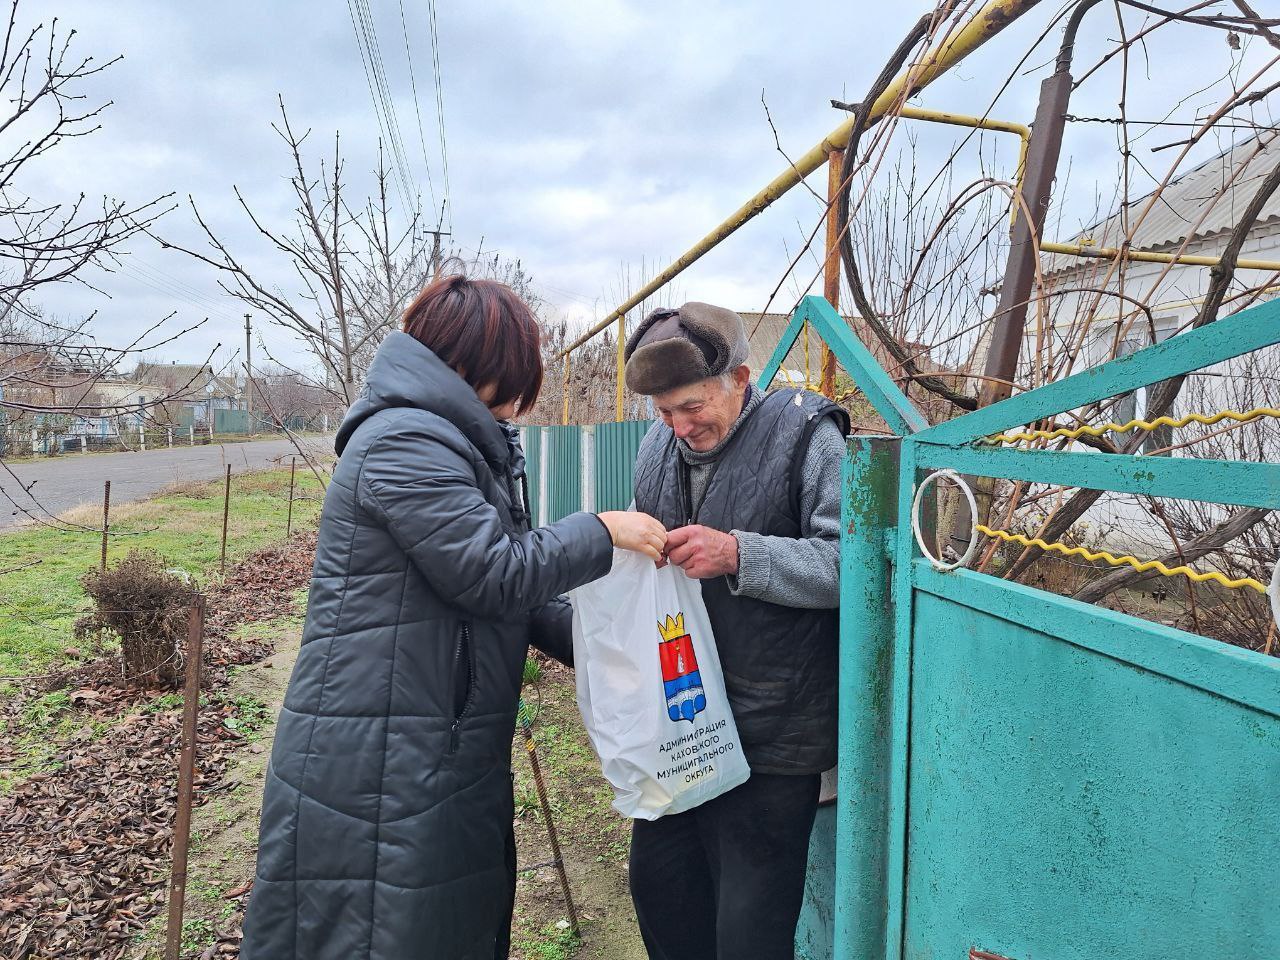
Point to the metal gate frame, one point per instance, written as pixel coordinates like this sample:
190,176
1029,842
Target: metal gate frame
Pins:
887,588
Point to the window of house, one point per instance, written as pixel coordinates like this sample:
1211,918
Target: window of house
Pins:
1134,404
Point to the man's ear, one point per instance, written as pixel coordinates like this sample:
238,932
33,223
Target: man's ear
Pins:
741,376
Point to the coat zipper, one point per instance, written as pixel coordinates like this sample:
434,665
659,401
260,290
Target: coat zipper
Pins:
464,643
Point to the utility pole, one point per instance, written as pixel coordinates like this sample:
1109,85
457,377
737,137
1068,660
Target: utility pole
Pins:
435,250
436,234
248,370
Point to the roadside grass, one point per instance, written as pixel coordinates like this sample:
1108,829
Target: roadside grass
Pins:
39,604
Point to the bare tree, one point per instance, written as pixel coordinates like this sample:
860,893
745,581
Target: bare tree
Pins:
52,371
47,240
356,264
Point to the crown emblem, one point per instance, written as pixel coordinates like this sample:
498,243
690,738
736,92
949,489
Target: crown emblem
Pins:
673,628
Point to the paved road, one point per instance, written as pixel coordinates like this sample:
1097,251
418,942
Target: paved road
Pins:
68,481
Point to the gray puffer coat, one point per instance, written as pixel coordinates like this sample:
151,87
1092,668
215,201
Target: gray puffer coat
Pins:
388,798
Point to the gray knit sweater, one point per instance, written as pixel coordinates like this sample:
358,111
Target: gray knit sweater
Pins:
803,572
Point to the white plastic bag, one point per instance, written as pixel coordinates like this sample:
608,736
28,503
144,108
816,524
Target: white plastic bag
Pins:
651,691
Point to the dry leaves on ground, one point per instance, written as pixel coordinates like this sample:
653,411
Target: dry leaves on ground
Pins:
85,844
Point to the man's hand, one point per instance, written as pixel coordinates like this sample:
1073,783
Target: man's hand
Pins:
703,553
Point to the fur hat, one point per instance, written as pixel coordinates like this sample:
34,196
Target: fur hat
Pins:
674,348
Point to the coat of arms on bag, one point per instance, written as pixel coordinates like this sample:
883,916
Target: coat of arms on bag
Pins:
685,696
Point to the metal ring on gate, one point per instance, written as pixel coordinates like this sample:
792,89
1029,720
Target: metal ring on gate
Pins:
955,478
1274,593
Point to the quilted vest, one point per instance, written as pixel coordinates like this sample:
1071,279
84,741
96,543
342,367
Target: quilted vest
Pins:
780,663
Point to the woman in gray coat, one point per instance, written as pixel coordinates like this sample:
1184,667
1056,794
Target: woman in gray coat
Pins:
386,827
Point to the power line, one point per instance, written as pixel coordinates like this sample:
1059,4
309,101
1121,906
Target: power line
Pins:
165,289
1117,121
413,85
368,76
177,284
435,65
382,108
388,101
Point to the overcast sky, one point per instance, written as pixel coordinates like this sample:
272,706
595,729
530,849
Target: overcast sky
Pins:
581,136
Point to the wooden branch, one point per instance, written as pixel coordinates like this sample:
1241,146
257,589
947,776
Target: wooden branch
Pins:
868,312
1162,401
1217,537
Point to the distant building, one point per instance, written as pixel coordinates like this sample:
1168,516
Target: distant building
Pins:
189,393
765,330
1193,215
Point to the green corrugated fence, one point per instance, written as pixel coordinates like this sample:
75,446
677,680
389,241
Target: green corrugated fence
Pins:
581,467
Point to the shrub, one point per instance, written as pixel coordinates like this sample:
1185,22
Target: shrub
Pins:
145,604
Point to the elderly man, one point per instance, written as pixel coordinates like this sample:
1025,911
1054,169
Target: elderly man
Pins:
748,484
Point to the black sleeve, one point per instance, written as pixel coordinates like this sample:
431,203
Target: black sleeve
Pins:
551,630
419,482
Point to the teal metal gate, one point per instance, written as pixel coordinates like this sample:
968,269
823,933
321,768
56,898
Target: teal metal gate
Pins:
1022,775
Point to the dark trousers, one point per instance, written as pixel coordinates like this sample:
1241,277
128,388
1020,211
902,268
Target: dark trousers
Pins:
725,881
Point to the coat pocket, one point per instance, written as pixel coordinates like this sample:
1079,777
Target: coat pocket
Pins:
760,707
464,681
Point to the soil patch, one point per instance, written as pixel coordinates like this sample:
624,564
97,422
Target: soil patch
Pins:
594,838
86,835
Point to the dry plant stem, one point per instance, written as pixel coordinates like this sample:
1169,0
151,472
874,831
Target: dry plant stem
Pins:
226,511
852,274
186,781
884,132
1263,30
46,242
106,522
1182,561
297,443
355,273
1251,24
1015,500
1151,201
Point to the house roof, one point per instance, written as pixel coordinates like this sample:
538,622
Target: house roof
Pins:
1217,190
764,330
185,379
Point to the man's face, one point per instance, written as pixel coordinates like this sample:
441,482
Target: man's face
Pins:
702,413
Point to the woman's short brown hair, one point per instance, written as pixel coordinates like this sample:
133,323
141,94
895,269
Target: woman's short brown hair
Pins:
485,332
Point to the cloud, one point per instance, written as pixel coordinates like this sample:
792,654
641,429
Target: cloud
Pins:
582,136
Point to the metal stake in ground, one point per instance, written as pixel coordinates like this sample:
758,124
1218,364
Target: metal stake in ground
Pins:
186,779
556,858
288,523
106,517
226,507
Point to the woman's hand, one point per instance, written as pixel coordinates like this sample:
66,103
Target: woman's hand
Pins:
636,531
